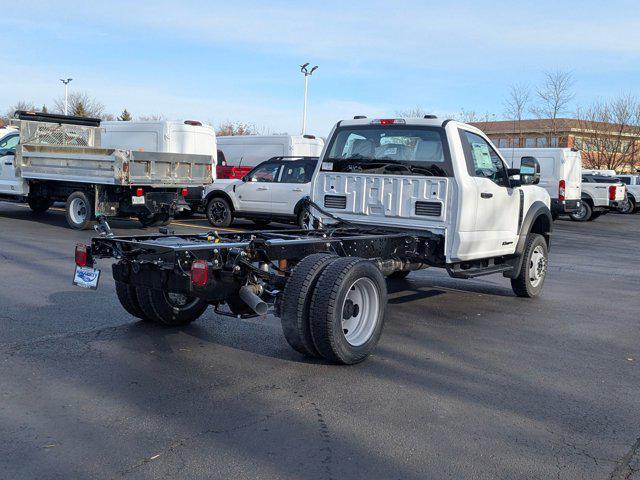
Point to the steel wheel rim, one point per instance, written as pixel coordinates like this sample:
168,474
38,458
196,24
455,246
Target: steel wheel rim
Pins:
537,266
581,212
360,311
218,211
304,220
179,300
78,210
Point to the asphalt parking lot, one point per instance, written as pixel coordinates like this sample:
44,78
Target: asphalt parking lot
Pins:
468,382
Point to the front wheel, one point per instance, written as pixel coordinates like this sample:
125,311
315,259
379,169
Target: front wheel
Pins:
534,268
79,210
303,219
219,212
582,214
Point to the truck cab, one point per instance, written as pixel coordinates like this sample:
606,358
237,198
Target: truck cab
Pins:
426,174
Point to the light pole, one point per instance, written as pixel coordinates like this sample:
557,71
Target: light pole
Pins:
66,93
307,74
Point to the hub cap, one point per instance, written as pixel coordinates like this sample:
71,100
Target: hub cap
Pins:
537,266
360,312
218,211
78,211
581,212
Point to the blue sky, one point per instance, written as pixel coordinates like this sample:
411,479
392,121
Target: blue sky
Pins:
219,61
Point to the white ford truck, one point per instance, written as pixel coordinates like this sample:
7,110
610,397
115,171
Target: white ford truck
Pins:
600,195
388,196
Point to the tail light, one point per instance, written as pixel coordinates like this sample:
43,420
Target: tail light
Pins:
561,190
612,192
184,192
199,273
82,255
139,192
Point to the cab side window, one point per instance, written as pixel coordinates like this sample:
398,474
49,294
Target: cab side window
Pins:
482,159
267,172
9,144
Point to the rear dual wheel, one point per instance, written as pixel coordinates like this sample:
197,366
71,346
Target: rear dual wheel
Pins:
334,308
166,308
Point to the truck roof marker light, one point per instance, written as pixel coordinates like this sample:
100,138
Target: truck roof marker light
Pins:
193,122
199,273
139,192
388,121
81,255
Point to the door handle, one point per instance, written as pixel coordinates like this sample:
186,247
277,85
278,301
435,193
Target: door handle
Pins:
297,190
11,163
486,195
262,188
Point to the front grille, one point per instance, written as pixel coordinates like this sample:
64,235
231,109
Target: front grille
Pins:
335,201
429,209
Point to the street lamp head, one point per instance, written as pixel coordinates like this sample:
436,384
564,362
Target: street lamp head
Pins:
313,69
303,68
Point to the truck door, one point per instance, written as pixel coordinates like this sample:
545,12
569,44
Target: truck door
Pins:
255,192
9,181
497,212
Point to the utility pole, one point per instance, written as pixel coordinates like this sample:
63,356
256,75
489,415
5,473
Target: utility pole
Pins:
307,74
66,94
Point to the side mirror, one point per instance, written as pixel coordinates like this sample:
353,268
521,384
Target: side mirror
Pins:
529,171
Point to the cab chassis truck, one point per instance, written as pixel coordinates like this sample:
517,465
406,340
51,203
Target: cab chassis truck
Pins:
327,283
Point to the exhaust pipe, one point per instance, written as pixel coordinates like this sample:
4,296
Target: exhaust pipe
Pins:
248,296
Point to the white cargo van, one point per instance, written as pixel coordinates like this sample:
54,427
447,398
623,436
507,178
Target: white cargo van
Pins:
240,153
560,174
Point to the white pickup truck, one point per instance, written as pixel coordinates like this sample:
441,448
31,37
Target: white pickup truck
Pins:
388,196
272,191
600,195
632,183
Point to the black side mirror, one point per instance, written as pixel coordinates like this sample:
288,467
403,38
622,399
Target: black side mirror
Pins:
529,171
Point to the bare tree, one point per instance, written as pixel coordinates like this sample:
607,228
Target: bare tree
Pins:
81,105
471,116
151,118
20,105
415,112
554,97
515,107
610,133
235,128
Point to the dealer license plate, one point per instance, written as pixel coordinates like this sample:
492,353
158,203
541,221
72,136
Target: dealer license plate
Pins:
137,200
86,277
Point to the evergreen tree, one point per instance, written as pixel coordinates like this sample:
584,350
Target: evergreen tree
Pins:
125,116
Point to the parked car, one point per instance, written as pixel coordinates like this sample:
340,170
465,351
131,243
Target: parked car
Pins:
560,174
389,196
600,195
271,191
243,152
633,193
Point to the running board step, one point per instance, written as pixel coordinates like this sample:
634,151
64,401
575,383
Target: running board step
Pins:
478,272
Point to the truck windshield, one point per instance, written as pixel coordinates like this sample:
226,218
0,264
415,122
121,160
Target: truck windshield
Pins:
389,149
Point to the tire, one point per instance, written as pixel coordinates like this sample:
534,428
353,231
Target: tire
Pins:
535,259
39,204
155,220
184,214
399,275
166,310
355,288
628,207
583,214
219,213
594,216
79,210
554,216
261,223
129,300
294,315
303,219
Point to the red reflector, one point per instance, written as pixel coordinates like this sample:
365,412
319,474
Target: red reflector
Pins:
561,190
199,273
612,192
81,255
139,192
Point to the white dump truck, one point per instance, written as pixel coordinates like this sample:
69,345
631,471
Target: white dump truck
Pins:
51,158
